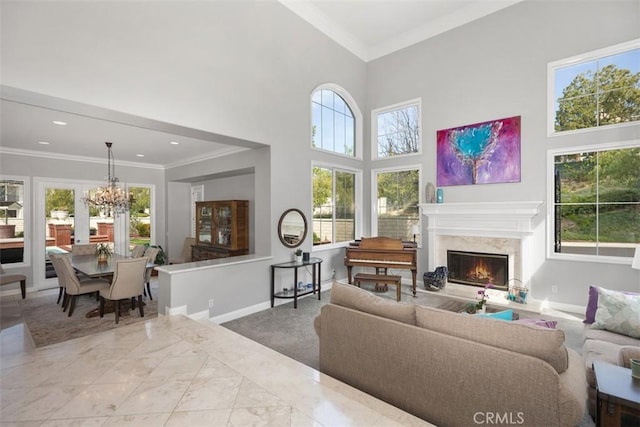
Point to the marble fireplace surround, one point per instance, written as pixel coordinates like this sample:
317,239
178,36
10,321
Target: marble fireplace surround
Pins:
492,227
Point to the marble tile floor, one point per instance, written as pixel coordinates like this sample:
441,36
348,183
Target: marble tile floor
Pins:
173,371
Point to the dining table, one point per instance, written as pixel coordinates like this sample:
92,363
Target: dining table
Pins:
89,265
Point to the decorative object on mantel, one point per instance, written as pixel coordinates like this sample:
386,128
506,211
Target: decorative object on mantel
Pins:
481,153
437,279
431,193
110,198
517,293
440,195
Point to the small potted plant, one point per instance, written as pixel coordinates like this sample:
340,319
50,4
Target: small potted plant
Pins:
103,251
298,255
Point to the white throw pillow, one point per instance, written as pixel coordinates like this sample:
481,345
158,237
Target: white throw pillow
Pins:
618,312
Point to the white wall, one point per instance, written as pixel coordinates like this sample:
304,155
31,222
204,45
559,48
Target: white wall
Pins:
246,69
496,67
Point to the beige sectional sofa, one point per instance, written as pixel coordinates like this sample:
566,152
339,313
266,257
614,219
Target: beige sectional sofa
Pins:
448,368
602,344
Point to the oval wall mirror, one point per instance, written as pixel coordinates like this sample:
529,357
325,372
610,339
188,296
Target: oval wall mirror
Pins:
292,228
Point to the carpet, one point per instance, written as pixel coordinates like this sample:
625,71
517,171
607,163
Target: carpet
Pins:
49,325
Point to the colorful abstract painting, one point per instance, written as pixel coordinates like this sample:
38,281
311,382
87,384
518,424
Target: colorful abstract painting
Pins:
482,153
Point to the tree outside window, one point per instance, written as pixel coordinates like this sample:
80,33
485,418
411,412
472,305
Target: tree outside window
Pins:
398,130
397,203
601,90
140,216
333,205
597,202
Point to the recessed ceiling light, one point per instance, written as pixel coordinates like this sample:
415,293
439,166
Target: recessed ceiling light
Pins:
43,143
59,123
174,142
139,155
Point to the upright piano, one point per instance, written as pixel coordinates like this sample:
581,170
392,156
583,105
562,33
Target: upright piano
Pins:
382,253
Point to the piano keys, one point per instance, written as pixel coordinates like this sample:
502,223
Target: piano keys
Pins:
382,253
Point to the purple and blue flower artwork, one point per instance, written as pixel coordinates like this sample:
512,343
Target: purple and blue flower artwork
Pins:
481,153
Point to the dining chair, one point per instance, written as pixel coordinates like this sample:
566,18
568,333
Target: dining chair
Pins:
55,260
6,279
150,254
138,251
128,282
84,249
74,286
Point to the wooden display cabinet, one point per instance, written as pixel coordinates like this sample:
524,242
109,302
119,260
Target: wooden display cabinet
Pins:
222,229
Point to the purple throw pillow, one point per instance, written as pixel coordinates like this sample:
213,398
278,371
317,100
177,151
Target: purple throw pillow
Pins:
551,324
592,304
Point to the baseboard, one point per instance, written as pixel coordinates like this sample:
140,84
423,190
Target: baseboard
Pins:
232,315
172,311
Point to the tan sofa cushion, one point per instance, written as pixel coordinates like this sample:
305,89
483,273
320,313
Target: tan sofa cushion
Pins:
351,296
602,335
543,343
598,350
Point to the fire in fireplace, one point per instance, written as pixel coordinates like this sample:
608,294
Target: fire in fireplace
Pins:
478,269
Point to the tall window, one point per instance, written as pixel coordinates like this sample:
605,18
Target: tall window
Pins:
599,88
397,129
12,220
397,197
140,219
334,205
596,200
333,123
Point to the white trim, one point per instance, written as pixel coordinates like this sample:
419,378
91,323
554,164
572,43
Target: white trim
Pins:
232,315
550,214
175,311
374,195
357,119
513,220
374,127
432,28
575,60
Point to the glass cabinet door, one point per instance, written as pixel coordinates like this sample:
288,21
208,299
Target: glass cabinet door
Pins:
205,224
223,214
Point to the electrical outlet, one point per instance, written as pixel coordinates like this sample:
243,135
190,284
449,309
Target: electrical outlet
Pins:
554,289
211,303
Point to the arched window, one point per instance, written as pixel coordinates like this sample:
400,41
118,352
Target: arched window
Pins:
334,121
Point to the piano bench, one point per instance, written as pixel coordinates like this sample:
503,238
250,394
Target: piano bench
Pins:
379,278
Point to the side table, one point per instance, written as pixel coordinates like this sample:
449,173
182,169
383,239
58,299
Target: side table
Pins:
295,293
617,394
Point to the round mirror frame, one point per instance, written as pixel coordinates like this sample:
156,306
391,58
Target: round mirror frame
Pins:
281,234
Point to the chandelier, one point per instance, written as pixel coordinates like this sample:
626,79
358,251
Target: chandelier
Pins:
110,198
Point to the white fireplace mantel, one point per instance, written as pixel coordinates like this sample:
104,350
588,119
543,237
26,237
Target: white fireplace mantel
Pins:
491,220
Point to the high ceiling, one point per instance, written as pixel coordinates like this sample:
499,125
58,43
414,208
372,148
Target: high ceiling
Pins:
367,28
374,28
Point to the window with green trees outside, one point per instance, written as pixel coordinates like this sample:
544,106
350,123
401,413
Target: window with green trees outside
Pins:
597,201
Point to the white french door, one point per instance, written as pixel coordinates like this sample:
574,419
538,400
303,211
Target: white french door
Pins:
56,231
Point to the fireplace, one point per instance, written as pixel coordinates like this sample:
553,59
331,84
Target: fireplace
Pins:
478,268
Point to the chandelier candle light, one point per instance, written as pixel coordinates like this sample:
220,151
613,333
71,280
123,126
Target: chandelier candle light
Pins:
110,198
